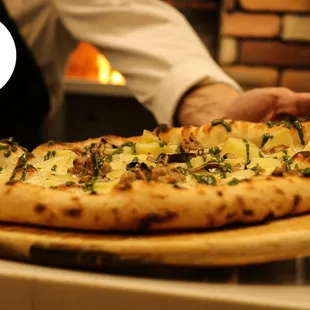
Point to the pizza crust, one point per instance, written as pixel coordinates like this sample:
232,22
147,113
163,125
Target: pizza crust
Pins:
155,206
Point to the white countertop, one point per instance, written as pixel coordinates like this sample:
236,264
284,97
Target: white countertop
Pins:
29,287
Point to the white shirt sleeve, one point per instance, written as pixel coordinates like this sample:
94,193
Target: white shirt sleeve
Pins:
149,42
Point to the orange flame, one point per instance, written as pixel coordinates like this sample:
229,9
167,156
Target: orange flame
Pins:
87,63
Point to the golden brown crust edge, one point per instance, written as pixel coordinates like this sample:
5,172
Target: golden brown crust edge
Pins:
156,206
207,134
210,135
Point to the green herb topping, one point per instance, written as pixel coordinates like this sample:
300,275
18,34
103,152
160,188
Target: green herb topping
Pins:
205,179
223,123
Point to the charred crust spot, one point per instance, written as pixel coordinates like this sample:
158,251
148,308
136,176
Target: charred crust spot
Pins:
39,208
279,191
116,215
22,170
25,158
162,128
8,191
219,193
64,187
76,199
270,216
247,212
240,202
201,192
209,221
221,208
268,178
146,222
73,212
115,212
177,186
296,202
230,215
159,196
12,182
277,173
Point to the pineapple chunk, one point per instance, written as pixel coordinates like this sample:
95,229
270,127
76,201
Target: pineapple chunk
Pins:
237,147
47,178
155,148
267,164
197,162
235,162
149,148
307,147
105,187
281,137
115,174
149,137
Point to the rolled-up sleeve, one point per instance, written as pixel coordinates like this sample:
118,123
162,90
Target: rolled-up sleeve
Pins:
149,42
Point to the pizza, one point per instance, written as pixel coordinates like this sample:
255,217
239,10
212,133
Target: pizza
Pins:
170,179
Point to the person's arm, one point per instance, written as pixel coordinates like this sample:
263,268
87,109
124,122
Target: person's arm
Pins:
150,43
205,103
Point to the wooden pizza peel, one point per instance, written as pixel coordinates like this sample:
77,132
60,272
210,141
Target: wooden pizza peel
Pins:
274,241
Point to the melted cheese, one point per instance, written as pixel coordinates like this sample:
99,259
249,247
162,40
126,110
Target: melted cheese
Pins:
52,171
240,175
62,161
267,165
48,178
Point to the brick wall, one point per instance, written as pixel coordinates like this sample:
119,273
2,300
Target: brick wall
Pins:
266,42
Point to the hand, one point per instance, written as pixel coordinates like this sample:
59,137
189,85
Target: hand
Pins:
210,102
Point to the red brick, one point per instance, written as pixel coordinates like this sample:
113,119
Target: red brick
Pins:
251,25
274,53
249,76
297,80
276,5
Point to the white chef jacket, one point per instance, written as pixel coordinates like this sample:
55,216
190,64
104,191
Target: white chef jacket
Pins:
148,41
